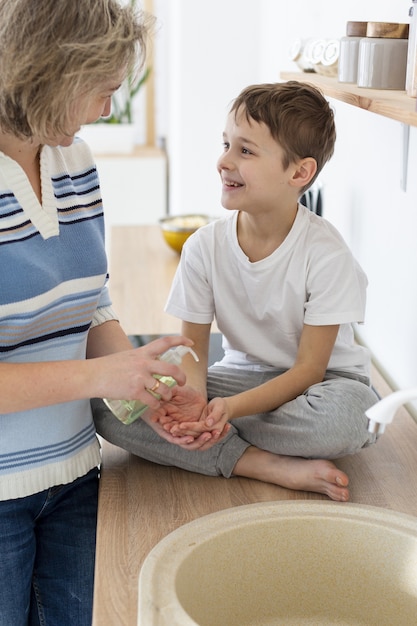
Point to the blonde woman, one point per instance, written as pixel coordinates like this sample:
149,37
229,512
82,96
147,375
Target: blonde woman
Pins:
60,343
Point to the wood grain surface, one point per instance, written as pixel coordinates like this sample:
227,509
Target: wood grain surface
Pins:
386,102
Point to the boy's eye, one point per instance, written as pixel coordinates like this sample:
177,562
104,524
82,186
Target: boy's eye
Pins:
226,145
246,151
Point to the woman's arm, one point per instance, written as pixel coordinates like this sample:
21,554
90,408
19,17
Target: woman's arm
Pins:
113,369
107,338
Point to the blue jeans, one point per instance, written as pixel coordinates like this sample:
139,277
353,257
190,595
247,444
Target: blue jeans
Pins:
47,552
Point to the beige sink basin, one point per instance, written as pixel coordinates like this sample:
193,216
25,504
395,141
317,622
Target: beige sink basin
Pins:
290,563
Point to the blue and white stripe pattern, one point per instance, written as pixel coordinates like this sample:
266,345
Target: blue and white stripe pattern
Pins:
53,273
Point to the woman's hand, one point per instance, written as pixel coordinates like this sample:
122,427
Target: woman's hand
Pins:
185,405
188,414
130,374
188,442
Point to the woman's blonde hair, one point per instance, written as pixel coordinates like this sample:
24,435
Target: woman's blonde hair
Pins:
52,52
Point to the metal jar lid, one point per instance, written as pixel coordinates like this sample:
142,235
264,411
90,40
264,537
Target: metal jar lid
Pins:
387,30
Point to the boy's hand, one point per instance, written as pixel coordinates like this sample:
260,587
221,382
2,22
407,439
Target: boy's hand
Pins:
214,419
187,414
186,405
189,442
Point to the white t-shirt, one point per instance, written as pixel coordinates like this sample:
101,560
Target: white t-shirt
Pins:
311,278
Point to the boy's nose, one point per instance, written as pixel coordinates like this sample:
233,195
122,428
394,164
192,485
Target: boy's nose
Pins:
224,162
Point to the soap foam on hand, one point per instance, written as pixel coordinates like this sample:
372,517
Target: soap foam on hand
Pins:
128,411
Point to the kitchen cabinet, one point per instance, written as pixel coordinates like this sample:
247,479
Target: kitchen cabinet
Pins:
386,102
133,187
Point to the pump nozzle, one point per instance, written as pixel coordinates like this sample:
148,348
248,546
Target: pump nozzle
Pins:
175,355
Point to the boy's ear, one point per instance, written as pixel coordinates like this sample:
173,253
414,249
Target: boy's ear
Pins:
304,172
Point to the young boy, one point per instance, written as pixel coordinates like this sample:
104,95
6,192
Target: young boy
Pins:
285,290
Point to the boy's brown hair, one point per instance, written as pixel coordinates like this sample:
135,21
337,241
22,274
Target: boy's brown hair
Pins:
298,116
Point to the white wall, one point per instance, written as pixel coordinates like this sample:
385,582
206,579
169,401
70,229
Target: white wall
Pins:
363,194
212,51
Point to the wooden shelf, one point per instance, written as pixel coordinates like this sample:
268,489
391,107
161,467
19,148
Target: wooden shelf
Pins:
389,103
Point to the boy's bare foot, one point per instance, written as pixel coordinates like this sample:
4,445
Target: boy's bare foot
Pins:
318,475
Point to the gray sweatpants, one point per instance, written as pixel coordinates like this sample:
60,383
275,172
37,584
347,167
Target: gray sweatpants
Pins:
327,421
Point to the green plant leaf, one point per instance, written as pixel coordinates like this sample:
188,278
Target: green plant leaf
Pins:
122,111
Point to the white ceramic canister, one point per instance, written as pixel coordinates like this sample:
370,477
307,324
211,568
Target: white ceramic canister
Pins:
349,51
382,62
411,76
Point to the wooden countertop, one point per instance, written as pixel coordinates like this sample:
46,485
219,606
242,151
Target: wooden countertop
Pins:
141,502
142,267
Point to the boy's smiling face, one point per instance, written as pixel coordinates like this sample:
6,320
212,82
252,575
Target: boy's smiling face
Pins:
251,167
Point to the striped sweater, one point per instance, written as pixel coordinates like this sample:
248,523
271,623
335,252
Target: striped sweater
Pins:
52,285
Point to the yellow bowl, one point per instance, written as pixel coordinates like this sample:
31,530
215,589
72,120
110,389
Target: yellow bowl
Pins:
177,228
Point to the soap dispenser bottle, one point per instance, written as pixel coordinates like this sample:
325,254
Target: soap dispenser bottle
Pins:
127,411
